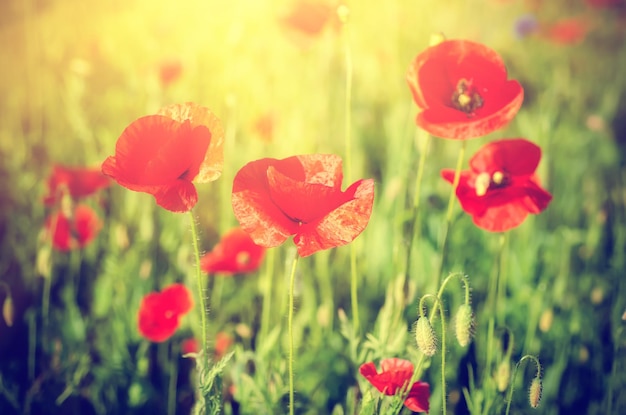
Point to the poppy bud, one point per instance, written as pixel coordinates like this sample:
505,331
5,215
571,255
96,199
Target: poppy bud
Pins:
425,337
436,38
534,393
464,327
503,375
8,311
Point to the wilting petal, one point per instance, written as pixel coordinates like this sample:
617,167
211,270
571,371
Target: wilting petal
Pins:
342,225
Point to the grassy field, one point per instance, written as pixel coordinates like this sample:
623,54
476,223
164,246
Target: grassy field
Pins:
75,74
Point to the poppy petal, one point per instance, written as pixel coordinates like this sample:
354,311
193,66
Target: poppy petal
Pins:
418,399
213,162
253,207
342,225
154,321
178,298
516,156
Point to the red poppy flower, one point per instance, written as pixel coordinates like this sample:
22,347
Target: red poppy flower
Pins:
164,154
308,17
159,313
235,254
73,231
223,341
462,90
76,181
189,346
568,31
169,71
396,373
301,195
501,187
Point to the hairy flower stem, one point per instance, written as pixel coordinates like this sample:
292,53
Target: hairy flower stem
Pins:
538,376
343,16
203,309
416,205
417,372
494,295
292,279
268,279
455,184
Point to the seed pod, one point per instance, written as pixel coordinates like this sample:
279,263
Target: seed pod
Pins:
425,336
503,375
534,393
8,311
464,325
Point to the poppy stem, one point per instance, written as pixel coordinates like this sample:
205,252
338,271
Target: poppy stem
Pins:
495,293
517,365
455,184
268,279
416,206
203,310
344,17
292,279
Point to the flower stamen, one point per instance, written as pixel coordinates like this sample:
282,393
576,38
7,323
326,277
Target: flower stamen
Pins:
465,98
482,183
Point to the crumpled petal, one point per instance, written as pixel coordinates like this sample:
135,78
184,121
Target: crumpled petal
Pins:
300,195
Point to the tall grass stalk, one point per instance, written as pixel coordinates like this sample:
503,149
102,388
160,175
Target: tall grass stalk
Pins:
292,279
201,294
343,13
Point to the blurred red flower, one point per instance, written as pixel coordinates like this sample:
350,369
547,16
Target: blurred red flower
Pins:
501,187
600,4
164,154
190,345
568,31
301,195
159,313
462,90
236,253
74,230
169,71
223,341
396,373
78,182
308,17
264,126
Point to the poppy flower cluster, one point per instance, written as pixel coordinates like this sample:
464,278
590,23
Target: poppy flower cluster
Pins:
164,154
394,376
236,253
72,224
462,90
501,187
301,196
160,312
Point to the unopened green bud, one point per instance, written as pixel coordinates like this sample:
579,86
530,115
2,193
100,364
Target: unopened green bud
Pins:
425,336
503,375
464,325
534,393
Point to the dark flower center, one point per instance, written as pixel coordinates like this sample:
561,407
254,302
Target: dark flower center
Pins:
485,181
465,98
